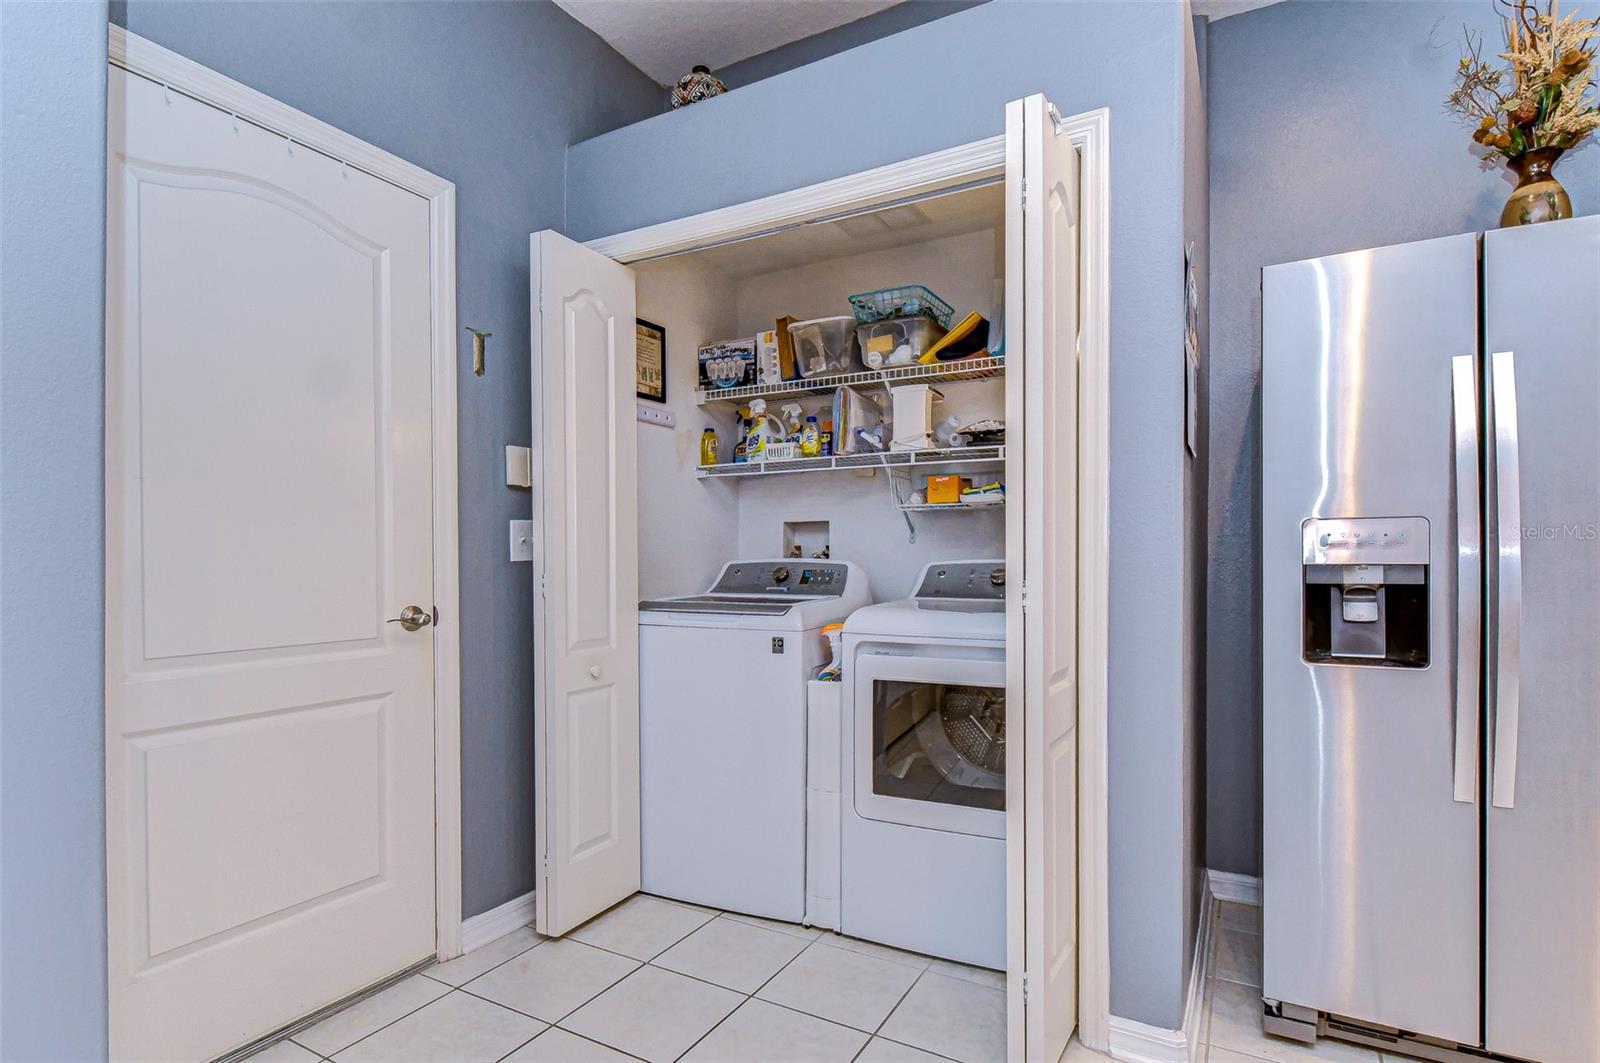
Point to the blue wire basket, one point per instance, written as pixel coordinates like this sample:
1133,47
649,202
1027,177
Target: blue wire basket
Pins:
906,301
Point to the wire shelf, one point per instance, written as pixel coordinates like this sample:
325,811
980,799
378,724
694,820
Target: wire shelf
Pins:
952,507
938,372
895,459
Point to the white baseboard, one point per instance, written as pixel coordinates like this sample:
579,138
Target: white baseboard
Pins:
496,922
1228,886
1138,1042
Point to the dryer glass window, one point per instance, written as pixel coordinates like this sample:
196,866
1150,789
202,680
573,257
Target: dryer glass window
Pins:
940,742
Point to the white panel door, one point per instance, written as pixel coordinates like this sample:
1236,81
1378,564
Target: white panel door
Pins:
269,738
1042,240
586,611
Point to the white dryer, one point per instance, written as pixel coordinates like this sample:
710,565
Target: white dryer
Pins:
923,861
722,730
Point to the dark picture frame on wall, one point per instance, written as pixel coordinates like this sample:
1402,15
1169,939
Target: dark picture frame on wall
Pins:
650,373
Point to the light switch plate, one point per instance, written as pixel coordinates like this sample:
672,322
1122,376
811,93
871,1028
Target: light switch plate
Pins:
650,413
522,540
519,467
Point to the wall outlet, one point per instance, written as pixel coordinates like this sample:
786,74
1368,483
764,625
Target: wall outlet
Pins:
522,540
651,413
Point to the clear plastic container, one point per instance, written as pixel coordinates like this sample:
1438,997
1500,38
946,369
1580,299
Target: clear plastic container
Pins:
825,345
897,341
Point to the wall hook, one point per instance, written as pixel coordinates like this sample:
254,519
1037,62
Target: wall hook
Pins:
290,142
477,348
235,118
166,93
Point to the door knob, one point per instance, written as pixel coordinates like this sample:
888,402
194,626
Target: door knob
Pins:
412,617
594,671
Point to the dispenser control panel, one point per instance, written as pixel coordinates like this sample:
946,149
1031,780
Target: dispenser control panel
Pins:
1365,541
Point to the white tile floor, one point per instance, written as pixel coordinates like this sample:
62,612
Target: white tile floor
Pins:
659,980
1232,1031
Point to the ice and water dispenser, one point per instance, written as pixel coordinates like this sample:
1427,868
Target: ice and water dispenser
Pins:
1365,591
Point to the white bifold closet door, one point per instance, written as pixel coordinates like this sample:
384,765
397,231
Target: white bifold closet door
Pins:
1042,411
586,605
269,738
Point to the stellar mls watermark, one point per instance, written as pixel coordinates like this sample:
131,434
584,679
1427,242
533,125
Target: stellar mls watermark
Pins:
1541,532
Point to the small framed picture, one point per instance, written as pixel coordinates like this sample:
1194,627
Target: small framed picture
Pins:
651,352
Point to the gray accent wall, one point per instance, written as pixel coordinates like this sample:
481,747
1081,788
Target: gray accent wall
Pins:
52,308
1327,133
488,95
946,83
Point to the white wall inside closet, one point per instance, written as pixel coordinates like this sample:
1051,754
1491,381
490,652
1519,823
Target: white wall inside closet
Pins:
690,526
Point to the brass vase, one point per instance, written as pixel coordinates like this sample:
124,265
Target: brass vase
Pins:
1538,195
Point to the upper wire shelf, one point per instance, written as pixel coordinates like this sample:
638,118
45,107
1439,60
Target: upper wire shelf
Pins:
937,372
894,459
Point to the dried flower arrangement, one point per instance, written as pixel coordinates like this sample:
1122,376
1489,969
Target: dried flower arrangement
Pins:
1543,98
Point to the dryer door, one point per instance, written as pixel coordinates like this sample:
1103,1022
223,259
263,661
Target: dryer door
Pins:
928,742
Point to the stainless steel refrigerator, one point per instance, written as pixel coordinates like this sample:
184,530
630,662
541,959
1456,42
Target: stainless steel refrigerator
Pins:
1430,545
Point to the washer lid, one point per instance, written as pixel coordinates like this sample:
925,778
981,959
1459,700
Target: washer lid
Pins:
744,605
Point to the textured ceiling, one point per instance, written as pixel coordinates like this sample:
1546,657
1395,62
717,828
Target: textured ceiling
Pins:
665,38
1215,9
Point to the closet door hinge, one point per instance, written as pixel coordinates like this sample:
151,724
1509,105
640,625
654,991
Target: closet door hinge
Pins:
1024,985
1024,193
1024,609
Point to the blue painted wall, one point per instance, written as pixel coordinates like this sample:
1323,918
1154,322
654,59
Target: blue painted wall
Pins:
1328,133
890,20
52,305
946,83
488,95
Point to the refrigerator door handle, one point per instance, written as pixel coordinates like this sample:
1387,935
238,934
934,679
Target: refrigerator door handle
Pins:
1469,575
1508,590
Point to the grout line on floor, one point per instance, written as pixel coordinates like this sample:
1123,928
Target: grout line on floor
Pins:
902,1000
524,1044
386,1025
496,967
810,941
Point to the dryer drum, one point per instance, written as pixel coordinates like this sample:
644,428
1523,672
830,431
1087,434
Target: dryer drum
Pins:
957,730
966,738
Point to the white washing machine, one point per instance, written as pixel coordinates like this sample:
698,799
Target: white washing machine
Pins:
923,859
722,730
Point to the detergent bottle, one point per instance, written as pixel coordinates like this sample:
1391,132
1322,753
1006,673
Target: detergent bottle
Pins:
810,439
764,429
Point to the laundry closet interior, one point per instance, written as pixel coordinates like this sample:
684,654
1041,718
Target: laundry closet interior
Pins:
828,634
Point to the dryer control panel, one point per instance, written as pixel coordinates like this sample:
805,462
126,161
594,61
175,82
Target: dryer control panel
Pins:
785,576
963,581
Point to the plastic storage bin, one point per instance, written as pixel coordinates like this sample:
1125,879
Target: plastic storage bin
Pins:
897,341
908,300
825,345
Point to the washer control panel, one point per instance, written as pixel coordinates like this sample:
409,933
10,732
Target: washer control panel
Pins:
790,576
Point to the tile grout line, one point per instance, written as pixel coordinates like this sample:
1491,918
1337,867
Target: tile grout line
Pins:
748,997
385,1026
448,989
810,939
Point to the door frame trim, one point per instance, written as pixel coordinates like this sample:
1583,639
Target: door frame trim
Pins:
948,170
177,73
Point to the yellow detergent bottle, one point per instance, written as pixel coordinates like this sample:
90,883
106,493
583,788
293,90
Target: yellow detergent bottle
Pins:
810,439
708,447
